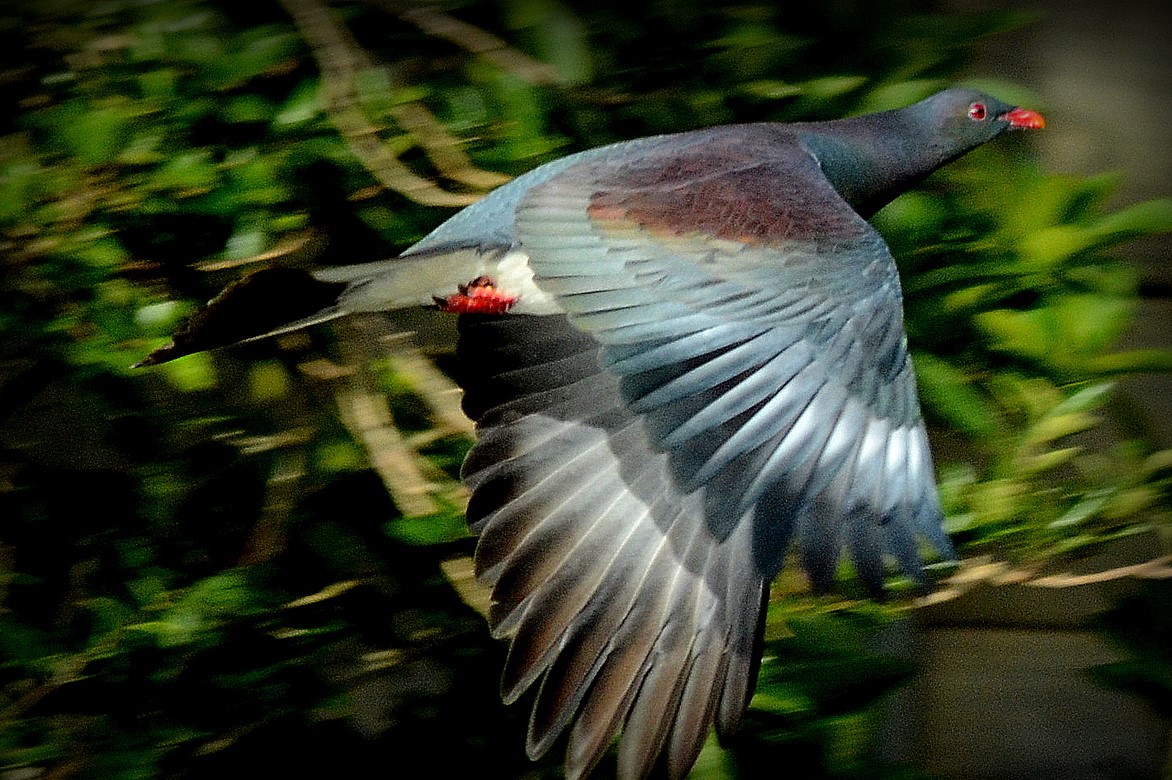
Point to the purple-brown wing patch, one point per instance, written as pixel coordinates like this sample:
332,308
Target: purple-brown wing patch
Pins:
735,189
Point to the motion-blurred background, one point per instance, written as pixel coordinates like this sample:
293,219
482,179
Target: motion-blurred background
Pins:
254,560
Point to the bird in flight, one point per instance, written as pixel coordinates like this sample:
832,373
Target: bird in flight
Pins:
683,354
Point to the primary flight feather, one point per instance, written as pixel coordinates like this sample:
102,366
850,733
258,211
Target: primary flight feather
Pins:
682,353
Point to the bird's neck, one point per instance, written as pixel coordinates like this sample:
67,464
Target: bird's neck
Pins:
873,159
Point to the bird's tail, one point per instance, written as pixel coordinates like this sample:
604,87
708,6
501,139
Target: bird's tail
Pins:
280,300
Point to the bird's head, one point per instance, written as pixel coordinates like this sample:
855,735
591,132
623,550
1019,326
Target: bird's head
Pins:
969,118
871,159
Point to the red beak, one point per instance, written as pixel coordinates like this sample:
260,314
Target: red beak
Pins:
1024,118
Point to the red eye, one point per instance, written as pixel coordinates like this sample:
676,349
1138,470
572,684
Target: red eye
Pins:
977,111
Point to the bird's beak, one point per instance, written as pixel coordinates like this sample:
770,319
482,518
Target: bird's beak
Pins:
1025,119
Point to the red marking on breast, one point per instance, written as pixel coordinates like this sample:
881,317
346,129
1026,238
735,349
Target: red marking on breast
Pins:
479,296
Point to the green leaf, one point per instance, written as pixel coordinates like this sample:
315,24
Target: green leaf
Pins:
898,94
1049,246
254,53
144,148
245,241
1032,464
1134,501
1038,203
1070,416
1087,399
770,89
949,393
17,185
159,83
438,528
560,36
303,105
1053,427
1153,217
268,381
247,108
188,173
191,373
94,133
1138,361
339,456
526,106
831,86
21,643
781,700
1091,505
1063,334
160,317
104,252
107,614
202,607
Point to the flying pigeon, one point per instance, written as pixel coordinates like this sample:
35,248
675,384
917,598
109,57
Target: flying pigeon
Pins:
682,354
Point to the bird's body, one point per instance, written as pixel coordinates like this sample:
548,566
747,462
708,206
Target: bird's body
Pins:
693,354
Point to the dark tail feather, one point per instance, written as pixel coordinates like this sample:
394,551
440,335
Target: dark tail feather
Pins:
267,302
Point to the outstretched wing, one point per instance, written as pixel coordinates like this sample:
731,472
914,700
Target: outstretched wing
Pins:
603,571
730,373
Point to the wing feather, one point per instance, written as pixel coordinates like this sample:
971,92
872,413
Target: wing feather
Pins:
595,551
729,374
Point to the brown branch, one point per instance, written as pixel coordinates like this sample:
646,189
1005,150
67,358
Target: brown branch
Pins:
1155,569
288,249
473,39
442,148
268,537
997,573
367,414
340,59
433,386
333,590
394,456
461,573
368,417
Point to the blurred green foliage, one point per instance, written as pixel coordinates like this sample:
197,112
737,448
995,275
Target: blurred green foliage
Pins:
1014,302
200,572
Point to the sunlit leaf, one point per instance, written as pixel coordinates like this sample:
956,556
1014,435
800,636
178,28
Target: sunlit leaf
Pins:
1091,505
1151,217
268,381
953,396
95,133
188,173
192,373
302,105
429,529
247,108
1086,399
17,181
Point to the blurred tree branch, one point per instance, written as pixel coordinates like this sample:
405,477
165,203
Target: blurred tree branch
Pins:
986,571
340,60
473,39
365,410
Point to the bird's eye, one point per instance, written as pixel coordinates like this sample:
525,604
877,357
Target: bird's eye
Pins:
977,111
